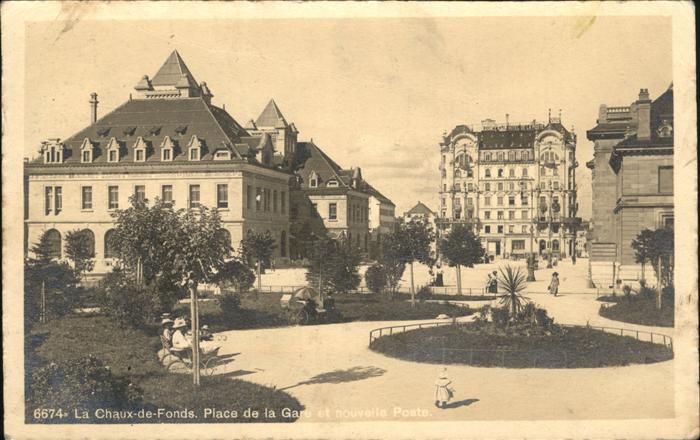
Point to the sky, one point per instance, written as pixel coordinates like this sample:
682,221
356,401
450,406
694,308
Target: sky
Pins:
376,93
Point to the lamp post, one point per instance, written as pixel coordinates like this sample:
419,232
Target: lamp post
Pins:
531,255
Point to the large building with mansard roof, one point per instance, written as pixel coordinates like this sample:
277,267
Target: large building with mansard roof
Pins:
168,140
515,184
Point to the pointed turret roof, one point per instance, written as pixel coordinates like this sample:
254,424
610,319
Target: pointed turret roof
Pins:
271,116
174,72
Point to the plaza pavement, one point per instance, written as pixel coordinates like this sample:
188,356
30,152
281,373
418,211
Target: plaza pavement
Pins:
332,372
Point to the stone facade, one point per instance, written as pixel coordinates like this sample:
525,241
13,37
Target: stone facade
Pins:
632,183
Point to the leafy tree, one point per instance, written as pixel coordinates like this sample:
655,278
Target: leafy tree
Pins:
334,266
513,282
80,249
258,247
411,243
376,278
656,247
237,273
461,248
392,261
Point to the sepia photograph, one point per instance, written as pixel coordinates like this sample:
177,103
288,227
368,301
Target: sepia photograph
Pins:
327,220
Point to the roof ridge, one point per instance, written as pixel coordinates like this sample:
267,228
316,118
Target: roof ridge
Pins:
220,127
330,163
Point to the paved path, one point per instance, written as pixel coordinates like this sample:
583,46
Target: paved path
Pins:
335,376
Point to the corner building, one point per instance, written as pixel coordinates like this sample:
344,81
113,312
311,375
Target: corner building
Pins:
514,184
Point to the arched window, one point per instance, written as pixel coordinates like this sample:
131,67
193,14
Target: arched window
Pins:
283,244
526,155
53,237
511,156
487,173
487,157
110,248
555,245
500,157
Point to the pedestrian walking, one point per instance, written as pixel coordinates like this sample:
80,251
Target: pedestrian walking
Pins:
443,391
554,284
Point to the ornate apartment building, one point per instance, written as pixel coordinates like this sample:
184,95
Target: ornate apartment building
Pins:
169,141
515,184
632,183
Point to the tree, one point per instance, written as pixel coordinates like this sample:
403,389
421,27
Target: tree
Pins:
49,285
461,248
258,247
656,247
411,243
334,266
236,272
376,278
392,261
80,249
513,284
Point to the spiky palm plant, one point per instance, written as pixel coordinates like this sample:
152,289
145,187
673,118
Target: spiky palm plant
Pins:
513,282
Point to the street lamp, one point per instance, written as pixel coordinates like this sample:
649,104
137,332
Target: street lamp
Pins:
531,257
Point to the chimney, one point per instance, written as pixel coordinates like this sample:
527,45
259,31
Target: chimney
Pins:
643,115
93,107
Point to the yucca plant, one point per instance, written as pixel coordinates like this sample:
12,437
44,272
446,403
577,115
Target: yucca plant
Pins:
513,283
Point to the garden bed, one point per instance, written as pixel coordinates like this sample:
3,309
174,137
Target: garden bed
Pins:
471,345
131,354
263,310
640,311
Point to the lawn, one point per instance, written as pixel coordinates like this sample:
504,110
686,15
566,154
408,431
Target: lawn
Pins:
264,310
640,311
572,348
131,353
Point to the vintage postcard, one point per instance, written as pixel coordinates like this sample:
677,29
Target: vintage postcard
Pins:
331,220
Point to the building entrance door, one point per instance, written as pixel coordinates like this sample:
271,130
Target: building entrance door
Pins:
498,248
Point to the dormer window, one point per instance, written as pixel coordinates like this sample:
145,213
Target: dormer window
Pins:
113,151
103,132
332,183
665,131
86,151
181,130
140,149
313,180
167,150
194,149
222,155
52,151
129,131
154,131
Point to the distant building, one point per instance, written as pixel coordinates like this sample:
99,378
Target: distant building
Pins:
582,244
632,182
515,184
420,212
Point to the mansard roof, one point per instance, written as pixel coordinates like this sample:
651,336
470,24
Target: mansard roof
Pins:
496,139
271,116
153,120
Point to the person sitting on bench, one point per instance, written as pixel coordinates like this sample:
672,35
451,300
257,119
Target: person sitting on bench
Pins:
180,343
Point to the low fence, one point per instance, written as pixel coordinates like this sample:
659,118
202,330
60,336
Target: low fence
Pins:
640,335
448,290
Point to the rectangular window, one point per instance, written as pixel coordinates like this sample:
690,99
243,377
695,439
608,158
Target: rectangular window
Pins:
511,215
86,156
511,200
86,197
113,197
500,186
283,199
487,186
222,196
194,196
140,193
166,154
470,201
500,229
166,193
556,184
274,201
48,200
500,215
470,186
666,180
113,156
140,155
518,245
511,229
511,172
487,229
500,201
332,211
258,198
487,201
194,154
524,172
487,215
249,197
268,199
523,200
314,209
58,199
524,215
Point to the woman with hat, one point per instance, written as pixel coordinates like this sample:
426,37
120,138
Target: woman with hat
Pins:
180,342
554,284
167,330
443,391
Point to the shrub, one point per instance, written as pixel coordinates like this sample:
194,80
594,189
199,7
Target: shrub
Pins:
230,304
60,289
424,293
375,278
80,383
500,316
237,274
129,304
